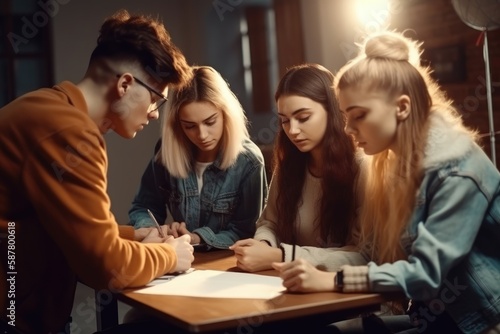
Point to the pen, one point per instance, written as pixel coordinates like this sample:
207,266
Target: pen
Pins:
293,252
160,231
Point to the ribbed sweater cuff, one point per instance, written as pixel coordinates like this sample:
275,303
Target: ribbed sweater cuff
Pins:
355,278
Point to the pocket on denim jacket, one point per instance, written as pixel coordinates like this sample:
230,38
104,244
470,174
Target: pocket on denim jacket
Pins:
225,205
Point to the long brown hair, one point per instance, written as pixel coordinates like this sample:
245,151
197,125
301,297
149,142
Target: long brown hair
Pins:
339,170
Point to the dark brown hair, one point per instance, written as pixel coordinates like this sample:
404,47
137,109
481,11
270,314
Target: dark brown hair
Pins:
340,169
143,39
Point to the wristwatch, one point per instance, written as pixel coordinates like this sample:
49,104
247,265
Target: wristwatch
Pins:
339,280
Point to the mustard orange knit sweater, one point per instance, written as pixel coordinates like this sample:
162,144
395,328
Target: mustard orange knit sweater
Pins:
53,191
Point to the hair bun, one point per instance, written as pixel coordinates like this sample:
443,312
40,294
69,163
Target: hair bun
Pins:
394,46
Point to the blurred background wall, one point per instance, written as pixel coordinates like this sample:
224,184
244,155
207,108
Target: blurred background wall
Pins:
251,42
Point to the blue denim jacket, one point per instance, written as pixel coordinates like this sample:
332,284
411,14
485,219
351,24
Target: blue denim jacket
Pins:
453,240
225,211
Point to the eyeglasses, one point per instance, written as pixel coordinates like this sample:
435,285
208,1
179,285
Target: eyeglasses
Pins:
157,104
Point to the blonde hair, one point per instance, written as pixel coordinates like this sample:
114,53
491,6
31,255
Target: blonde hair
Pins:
207,85
390,62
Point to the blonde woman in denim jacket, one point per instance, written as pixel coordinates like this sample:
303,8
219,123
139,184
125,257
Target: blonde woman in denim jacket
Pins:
431,218
206,170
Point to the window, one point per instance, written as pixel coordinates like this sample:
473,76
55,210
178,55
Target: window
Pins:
271,38
26,46
259,56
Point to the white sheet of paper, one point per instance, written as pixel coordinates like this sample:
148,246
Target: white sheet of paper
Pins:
218,284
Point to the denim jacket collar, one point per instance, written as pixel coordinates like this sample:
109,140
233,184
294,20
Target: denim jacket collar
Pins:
217,163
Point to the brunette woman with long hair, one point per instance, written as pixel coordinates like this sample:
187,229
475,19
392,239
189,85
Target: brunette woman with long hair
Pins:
312,201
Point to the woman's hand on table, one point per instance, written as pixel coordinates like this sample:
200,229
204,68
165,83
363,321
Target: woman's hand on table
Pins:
301,276
253,255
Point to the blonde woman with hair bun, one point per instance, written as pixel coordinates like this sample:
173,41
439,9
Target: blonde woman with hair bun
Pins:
430,221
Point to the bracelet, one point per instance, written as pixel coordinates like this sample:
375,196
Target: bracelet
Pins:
338,282
267,242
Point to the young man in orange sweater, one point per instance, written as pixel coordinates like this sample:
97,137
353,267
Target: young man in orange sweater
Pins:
54,210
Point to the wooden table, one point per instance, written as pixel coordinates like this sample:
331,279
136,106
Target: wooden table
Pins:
195,314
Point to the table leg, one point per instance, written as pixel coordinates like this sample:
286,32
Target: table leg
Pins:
106,310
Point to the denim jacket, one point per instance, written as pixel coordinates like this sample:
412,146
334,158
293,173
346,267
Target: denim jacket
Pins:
225,211
453,240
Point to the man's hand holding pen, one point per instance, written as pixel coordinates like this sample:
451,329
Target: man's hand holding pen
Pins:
184,251
182,244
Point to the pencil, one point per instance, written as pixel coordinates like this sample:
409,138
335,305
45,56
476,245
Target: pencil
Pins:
160,231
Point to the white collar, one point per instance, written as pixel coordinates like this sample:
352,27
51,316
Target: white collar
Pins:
447,140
